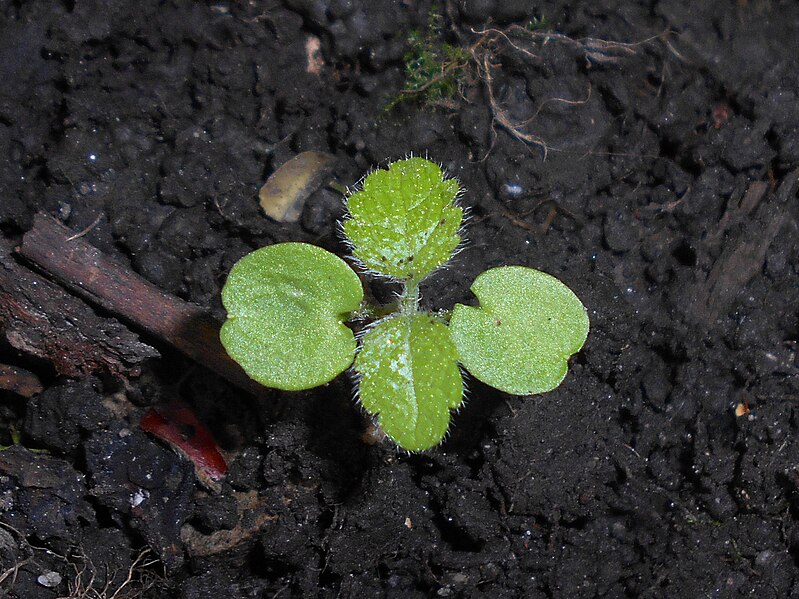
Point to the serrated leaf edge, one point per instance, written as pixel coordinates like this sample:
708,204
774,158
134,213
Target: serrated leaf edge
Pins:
358,186
356,378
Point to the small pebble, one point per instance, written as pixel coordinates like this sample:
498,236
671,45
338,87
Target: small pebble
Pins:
49,579
513,190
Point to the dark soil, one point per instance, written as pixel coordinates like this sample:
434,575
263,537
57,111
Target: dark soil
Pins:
667,200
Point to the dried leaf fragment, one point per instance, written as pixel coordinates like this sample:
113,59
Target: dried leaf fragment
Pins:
313,53
253,516
286,190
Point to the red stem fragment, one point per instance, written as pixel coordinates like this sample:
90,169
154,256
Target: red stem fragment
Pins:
177,425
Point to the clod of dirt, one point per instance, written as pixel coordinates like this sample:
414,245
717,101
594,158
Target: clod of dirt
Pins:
250,514
61,417
134,477
43,495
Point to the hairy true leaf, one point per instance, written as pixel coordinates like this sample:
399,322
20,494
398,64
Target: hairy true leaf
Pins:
287,304
410,379
404,223
520,338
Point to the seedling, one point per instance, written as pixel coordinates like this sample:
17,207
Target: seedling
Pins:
288,305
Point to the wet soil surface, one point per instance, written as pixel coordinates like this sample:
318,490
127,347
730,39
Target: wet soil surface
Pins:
654,172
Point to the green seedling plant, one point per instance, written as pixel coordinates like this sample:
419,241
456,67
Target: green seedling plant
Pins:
288,306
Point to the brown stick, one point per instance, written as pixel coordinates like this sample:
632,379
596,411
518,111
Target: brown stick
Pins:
19,381
83,269
743,255
40,319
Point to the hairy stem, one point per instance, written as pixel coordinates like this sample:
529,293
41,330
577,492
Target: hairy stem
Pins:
409,299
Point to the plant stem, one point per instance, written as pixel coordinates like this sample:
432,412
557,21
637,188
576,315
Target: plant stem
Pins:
409,300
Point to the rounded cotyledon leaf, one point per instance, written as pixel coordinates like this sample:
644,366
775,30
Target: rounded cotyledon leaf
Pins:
409,377
404,222
287,304
521,336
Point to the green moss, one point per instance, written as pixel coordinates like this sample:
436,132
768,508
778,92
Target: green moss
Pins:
537,24
435,70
